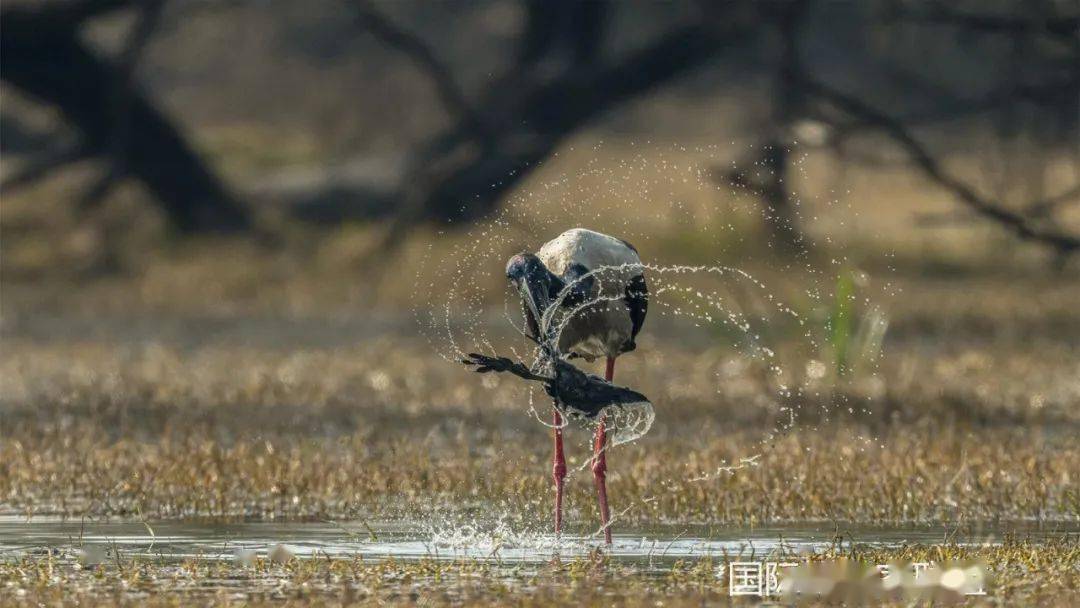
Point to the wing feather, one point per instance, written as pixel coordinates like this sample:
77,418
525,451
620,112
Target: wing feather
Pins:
637,299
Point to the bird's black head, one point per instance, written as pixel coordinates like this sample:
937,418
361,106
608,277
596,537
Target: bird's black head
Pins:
540,287
537,285
524,265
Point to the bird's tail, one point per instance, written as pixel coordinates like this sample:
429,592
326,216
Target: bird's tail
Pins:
485,364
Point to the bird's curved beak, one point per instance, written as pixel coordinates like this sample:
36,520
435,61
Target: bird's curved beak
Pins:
536,298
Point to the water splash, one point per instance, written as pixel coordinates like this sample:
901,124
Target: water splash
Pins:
486,537
654,198
630,421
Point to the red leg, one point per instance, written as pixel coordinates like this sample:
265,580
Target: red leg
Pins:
558,472
599,466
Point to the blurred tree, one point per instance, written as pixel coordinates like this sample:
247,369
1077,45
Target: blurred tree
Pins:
1044,74
42,55
563,73
559,81
767,173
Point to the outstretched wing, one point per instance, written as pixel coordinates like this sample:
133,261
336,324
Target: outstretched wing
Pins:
588,394
485,364
603,393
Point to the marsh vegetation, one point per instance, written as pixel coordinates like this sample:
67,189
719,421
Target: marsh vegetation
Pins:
873,342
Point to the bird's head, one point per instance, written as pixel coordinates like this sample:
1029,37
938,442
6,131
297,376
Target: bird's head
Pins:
540,288
537,285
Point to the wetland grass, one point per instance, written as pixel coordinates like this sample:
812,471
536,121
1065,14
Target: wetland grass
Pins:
1022,573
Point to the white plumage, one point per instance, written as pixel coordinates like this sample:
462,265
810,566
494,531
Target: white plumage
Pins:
605,327
589,248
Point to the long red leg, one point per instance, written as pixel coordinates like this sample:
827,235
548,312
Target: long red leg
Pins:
599,466
558,472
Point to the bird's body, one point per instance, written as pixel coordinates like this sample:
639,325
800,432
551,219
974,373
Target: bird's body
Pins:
583,294
606,295
585,395
574,392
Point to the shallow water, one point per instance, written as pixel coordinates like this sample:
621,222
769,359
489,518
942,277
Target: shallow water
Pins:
408,540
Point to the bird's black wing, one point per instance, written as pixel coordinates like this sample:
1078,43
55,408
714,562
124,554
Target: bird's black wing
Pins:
578,285
485,364
637,300
587,394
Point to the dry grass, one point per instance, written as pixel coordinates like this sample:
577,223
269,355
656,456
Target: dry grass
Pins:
168,430
1044,574
915,475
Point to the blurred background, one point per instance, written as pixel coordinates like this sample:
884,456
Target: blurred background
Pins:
331,133
215,209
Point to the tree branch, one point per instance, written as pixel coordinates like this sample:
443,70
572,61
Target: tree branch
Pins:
1020,225
66,13
417,51
1047,205
149,13
951,105
49,61
1061,26
38,168
459,180
100,188
580,95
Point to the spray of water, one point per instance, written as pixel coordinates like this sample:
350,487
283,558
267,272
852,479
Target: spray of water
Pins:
727,303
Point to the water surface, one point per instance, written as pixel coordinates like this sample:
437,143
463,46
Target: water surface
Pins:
410,540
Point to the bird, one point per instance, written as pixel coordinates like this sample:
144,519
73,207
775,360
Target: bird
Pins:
583,292
574,392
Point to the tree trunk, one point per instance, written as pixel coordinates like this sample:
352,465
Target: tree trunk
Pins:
787,105
461,177
43,57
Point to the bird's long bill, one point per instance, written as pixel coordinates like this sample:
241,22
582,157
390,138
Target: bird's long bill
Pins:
536,298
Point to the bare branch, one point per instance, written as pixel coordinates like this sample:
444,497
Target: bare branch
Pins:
551,25
99,188
39,168
1020,225
66,12
146,21
50,62
1062,26
149,14
424,58
1048,205
543,114
952,105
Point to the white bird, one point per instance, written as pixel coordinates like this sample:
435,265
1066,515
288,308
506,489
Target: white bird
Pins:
586,292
